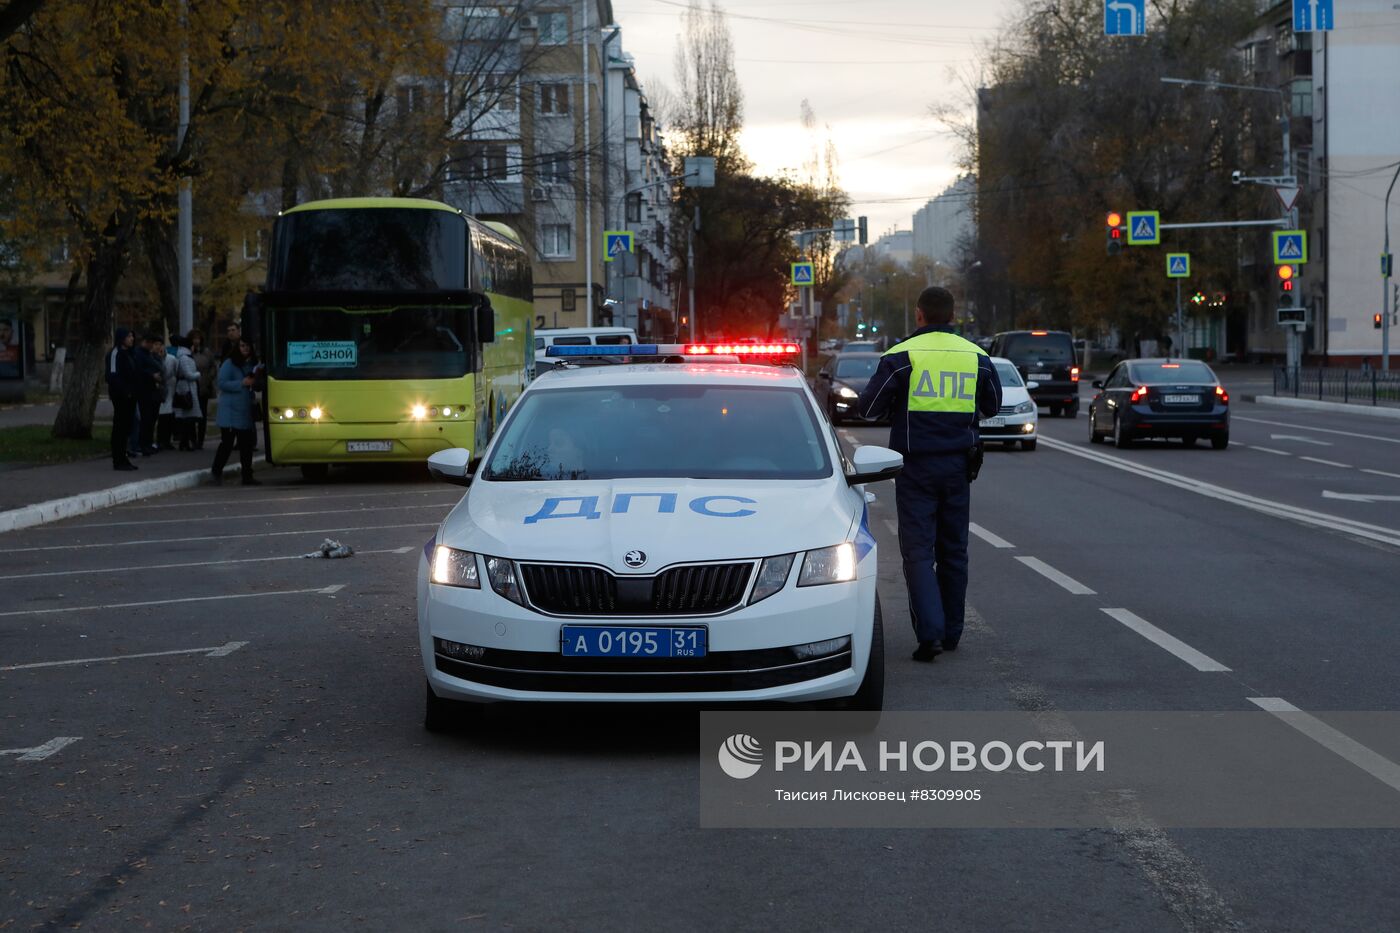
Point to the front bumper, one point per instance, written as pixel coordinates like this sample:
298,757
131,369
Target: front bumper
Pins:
751,654
1016,428
848,409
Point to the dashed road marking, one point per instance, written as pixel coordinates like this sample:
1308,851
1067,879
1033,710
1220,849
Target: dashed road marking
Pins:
167,602
222,651
1268,450
1373,763
333,588
985,535
225,537
40,752
240,502
1055,576
1331,463
1161,639
143,568
1305,427
240,517
1380,473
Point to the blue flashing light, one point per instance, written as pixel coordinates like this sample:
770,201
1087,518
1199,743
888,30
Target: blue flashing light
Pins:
619,349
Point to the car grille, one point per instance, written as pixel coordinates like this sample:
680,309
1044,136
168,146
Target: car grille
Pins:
698,589
1006,410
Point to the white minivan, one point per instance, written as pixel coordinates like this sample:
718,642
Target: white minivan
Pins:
580,337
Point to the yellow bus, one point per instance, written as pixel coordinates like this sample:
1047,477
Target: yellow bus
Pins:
391,328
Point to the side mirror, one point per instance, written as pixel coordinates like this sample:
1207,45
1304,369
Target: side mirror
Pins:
485,321
1098,383
452,466
874,464
1032,385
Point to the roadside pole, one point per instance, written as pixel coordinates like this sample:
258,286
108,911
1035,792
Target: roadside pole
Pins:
1385,281
1180,329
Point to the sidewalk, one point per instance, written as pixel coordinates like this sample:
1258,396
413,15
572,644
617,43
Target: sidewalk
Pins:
14,414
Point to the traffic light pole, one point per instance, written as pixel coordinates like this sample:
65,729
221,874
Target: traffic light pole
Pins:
1180,324
1385,281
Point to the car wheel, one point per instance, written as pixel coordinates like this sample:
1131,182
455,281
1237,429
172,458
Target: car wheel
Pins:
1094,436
1054,411
440,715
1220,441
870,697
1121,439
1028,445
315,472
1072,411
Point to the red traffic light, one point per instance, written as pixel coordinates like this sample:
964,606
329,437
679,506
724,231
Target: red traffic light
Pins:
1115,219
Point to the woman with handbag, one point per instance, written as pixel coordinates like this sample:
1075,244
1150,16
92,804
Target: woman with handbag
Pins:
185,401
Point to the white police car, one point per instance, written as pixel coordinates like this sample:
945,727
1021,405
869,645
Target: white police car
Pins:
656,532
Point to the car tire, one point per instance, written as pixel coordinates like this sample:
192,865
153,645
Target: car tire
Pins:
870,696
1121,439
440,715
1028,445
315,472
1220,441
1094,436
1072,410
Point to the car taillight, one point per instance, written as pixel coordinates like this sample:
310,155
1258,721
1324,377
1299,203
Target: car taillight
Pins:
1074,374
1221,394
1139,394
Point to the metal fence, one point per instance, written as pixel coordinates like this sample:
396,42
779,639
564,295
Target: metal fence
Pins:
1357,386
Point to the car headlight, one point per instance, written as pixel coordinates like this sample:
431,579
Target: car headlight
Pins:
772,577
1025,408
501,573
847,392
835,564
452,567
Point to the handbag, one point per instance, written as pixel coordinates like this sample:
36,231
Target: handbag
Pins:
184,401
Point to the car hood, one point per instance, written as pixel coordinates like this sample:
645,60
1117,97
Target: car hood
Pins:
670,520
1013,395
855,382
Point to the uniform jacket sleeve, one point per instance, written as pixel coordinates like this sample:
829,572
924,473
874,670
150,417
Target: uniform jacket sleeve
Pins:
883,389
988,388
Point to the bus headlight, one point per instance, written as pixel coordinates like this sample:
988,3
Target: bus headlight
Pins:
419,412
316,414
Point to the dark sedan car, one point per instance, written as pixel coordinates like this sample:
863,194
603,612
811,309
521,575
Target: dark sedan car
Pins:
1045,357
1160,398
839,382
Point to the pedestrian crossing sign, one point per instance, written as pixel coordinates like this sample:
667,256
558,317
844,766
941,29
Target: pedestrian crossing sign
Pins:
615,243
1144,228
802,273
1290,247
1178,265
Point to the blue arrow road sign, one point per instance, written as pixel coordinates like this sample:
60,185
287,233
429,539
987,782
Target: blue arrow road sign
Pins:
1312,16
802,273
1125,17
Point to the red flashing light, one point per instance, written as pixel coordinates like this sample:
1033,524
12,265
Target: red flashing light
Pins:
741,349
1115,234
1139,394
1287,285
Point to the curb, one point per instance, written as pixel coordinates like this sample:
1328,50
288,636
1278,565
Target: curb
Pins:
41,513
1369,411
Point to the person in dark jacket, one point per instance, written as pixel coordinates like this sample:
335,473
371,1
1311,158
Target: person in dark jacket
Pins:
121,389
934,386
150,392
235,413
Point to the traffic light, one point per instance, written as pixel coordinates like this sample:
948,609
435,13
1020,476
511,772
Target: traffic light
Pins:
1376,321
1114,241
1286,275
1199,298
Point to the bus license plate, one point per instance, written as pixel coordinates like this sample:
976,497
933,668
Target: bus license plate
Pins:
993,422
593,641
369,447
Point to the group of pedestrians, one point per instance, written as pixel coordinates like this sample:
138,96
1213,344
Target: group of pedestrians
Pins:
160,397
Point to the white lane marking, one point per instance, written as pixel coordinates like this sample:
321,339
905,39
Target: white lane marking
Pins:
241,502
164,602
1357,497
1161,639
225,518
251,534
1373,763
142,568
1380,473
1298,514
1053,575
222,651
40,752
1268,450
987,536
333,588
1332,463
1306,427
1300,439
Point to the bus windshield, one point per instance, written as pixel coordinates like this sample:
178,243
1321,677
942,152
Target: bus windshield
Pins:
429,342
380,250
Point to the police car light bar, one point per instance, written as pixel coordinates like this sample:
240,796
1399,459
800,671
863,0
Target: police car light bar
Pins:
677,349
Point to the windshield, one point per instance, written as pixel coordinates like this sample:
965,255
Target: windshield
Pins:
857,368
1024,349
1183,372
1008,375
698,432
863,347
369,249
384,343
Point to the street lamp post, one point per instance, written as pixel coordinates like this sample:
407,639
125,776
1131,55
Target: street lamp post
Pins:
1385,281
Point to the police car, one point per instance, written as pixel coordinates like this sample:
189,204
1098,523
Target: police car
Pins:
661,531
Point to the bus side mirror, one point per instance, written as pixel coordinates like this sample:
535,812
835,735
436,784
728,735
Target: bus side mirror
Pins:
485,321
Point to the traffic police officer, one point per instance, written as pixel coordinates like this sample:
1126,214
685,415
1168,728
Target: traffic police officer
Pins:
934,385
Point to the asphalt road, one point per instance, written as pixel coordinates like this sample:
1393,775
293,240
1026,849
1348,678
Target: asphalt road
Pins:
275,774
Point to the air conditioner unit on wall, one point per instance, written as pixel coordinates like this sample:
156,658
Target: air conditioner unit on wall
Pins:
529,21
539,195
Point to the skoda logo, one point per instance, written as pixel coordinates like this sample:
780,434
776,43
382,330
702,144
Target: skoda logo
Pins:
634,558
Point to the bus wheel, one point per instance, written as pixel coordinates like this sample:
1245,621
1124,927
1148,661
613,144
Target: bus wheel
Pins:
315,472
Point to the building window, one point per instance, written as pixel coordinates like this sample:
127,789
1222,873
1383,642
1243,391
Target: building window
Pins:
496,92
556,241
253,245
554,99
553,28
555,168
1302,97
476,162
411,97
1283,39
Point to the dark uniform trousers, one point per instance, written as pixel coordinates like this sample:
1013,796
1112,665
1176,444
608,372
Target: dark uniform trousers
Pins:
123,415
933,496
